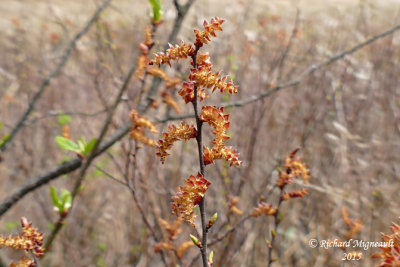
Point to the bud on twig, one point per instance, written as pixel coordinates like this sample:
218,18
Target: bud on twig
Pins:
211,258
212,220
196,241
273,233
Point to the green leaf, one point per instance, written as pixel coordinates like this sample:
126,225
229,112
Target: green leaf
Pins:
1,125
4,139
157,10
54,197
101,247
81,145
63,119
67,144
89,147
66,199
65,194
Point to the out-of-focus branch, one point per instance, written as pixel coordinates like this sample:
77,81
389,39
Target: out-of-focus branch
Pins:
67,167
54,114
182,11
288,47
37,182
70,166
92,155
54,73
310,70
64,168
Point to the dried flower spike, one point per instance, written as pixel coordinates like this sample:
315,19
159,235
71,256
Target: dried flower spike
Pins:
293,168
183,132
180,252
263,209
23,262
390,254
173,230
167,99
142,63
205,77
354,226
188,196
210,29
29,240
65,132
187,92
182,51
148,37
233,206
137,130
220,122
169,82
295,194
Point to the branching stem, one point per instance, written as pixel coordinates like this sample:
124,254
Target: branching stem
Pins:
277,220
199,140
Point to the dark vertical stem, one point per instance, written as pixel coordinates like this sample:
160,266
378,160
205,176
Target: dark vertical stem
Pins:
277,220
199,140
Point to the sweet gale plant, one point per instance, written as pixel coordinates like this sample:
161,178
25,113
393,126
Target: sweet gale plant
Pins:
263,241
202,81
30,240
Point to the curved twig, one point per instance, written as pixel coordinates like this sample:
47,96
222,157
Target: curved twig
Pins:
54,73
310,70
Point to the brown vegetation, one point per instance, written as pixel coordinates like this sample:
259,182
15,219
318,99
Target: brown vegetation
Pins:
324,80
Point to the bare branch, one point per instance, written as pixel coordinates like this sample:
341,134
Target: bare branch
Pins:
67,167
182,12
310,70
54,73
92,155
288,47
64,168
37,182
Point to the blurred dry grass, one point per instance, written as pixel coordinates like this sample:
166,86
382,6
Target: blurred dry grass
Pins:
345,117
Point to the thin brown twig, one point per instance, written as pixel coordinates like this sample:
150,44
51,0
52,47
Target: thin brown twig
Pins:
54,73
92,155
55,114
111,176
182,11
277,220
222,237
310,70
132,189
282,61
199,140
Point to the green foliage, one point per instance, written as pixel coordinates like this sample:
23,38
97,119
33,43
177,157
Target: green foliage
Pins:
67,144
101,247
81,148
63,119
101,262
4,138
61,202
157,10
